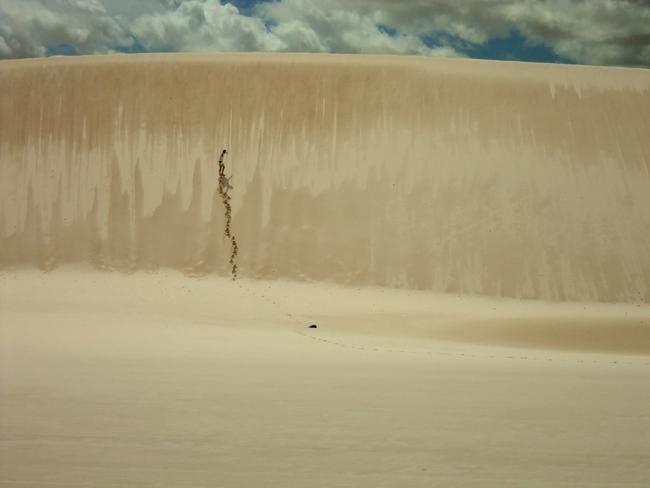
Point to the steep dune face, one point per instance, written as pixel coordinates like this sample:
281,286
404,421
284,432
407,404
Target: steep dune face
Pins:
451,175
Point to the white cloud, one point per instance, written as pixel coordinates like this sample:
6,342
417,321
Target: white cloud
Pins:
333,28
29,27
587,31
200,25
5,51
299,36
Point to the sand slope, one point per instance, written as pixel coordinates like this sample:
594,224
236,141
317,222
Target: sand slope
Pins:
503,179
450,179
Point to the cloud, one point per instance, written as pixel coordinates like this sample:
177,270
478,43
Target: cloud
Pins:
200,25
302,26
596,32
585,31
610,32
29,27
327,26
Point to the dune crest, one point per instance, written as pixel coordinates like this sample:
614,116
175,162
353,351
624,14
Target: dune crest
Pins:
503,179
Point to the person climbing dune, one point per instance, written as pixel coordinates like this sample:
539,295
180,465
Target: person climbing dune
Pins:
224,181
223,187
222,167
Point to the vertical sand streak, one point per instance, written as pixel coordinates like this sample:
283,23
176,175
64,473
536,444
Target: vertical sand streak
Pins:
451,175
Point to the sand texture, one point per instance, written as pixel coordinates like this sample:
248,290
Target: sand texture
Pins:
471,238
155,379
503,179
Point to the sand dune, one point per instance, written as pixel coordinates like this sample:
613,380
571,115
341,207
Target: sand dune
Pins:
505,179
470,237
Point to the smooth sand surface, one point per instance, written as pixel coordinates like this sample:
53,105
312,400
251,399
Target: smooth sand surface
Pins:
470,237
163,380
458,176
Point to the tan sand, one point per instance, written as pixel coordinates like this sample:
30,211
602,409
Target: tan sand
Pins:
161,380
507,204
502,179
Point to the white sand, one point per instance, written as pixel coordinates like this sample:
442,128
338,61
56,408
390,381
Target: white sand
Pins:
468,185
161,380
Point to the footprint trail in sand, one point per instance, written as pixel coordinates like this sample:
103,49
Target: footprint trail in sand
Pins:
223,188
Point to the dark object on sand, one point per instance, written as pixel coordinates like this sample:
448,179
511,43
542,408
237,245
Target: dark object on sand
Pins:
313,326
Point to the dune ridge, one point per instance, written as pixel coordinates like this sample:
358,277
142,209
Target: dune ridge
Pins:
504,179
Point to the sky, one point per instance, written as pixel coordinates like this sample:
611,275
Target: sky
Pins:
597,32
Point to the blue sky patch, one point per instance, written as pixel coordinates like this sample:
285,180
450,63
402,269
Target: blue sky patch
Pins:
515,47
244,6
61,50
386,29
